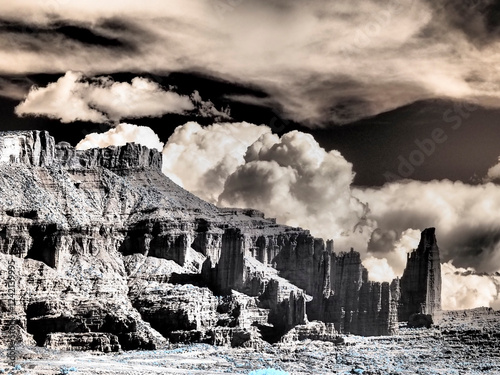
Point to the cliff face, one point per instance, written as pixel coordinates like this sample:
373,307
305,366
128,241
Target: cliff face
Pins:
421,280
158,263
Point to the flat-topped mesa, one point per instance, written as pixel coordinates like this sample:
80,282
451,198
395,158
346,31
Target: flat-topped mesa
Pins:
33,148
130,156
421,280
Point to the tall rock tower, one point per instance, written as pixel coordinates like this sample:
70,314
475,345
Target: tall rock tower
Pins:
421,280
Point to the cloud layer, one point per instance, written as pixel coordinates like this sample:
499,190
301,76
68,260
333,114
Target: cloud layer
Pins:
320,62
75,97
293,179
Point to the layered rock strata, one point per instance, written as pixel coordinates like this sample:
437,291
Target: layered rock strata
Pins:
107,253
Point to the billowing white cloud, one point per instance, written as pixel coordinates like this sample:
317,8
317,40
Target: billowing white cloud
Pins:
102,100
464,289
295,180
200,159
120,135
461,288
467,225
243,165
383,54
64,100
379,269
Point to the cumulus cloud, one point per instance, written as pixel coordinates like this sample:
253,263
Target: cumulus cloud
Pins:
461,288
120,135
467,230
464,289
384,54
295,180
102,100
386,256
379,269
243,165
200,159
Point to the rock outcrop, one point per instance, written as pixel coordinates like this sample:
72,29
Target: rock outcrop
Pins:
33,148
421,280
104,252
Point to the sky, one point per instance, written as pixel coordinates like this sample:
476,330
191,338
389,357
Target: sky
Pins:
362,121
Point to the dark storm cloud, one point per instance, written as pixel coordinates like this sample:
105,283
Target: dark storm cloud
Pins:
35,37
477,247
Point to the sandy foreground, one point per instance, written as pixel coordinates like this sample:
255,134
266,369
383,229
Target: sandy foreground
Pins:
411,352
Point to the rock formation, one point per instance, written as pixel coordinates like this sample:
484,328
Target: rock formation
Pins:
421,280
104,252
355,304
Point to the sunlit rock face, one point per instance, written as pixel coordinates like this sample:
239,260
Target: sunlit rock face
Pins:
104,252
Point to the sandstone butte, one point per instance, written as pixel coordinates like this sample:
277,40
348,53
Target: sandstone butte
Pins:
101,251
